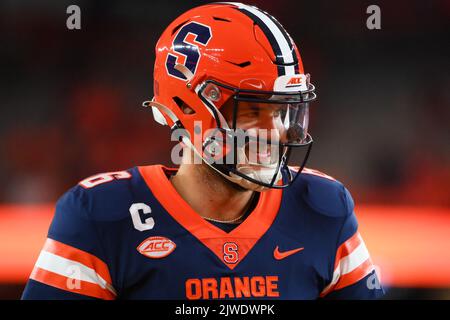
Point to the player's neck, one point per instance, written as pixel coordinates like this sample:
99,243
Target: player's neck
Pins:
209,194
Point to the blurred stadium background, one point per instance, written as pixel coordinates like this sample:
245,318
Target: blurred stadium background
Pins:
70,107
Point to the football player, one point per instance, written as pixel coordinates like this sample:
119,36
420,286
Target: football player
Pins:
241,217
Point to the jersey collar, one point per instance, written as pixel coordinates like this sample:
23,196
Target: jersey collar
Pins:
244,236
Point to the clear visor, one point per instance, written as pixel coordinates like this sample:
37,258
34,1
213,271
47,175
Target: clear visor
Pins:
285,123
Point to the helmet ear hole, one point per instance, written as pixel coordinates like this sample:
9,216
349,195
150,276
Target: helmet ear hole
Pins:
183,106
188,110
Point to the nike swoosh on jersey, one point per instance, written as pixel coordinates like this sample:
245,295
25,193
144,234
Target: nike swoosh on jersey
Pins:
281,255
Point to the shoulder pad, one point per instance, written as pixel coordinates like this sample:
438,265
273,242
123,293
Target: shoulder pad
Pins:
325,194
107,196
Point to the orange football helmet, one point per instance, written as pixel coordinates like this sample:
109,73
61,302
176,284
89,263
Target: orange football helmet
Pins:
232,54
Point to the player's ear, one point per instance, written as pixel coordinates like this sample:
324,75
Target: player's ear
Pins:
183,106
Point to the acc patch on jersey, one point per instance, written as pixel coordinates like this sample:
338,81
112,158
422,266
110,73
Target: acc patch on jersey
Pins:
156,247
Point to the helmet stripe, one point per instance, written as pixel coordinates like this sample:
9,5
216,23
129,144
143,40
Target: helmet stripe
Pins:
276,35
285,35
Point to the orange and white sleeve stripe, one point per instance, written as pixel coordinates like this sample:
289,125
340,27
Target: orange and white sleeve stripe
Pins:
71,269
351,265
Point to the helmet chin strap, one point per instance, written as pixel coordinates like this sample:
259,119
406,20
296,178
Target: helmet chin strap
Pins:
263,174
256,171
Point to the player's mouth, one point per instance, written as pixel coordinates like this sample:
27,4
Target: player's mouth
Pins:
264,157
261,155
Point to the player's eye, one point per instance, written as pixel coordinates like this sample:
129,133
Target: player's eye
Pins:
252,111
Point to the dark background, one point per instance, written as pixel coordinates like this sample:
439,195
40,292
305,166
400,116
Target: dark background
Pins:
71,99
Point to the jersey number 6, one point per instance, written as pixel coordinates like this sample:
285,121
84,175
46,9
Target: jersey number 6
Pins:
102,178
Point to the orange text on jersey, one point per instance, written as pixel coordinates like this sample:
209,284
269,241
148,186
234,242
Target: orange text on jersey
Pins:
232,287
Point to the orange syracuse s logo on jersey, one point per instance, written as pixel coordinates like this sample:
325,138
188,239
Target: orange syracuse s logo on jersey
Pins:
156,247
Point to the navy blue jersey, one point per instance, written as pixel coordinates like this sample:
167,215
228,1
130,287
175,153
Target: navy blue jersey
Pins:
129,235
